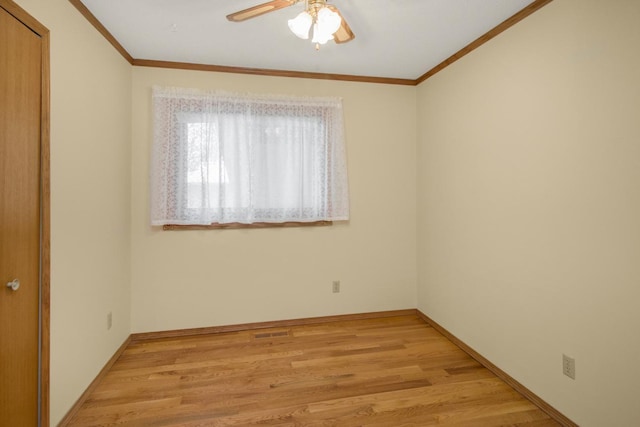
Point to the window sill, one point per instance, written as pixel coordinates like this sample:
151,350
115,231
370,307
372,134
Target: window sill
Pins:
237,225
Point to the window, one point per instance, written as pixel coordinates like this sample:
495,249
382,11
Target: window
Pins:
221,158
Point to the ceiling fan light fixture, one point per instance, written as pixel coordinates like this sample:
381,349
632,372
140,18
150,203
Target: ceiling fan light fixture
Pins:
323,20
301,24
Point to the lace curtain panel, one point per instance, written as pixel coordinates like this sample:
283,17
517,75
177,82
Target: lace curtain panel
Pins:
221,158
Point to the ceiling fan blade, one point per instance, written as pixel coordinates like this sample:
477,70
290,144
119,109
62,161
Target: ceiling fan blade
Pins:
260,9
344,33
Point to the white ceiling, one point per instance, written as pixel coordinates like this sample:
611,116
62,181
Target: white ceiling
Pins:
394,38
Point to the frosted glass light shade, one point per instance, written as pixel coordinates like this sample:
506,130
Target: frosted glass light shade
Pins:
328,20
319,36
301,24
326,24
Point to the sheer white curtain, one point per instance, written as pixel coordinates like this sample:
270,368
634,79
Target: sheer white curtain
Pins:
220,157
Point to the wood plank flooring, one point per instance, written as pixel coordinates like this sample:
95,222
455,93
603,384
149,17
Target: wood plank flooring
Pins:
395,371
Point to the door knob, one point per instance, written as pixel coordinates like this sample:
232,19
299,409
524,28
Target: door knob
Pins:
14,285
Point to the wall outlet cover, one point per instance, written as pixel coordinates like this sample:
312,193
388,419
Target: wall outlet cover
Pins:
569,366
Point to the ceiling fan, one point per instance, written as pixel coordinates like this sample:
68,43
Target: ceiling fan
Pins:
324,21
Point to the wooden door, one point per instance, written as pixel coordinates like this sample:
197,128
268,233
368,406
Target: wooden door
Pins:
20,220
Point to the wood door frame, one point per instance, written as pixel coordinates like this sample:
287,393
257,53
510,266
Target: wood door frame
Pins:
45,195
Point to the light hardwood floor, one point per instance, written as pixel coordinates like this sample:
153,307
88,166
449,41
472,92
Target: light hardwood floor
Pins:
395,371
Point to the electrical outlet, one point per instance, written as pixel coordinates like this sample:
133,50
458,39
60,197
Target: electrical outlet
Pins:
109,320
569,366
336,286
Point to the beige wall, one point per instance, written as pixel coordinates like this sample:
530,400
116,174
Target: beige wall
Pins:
90,193
529,205
185,279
